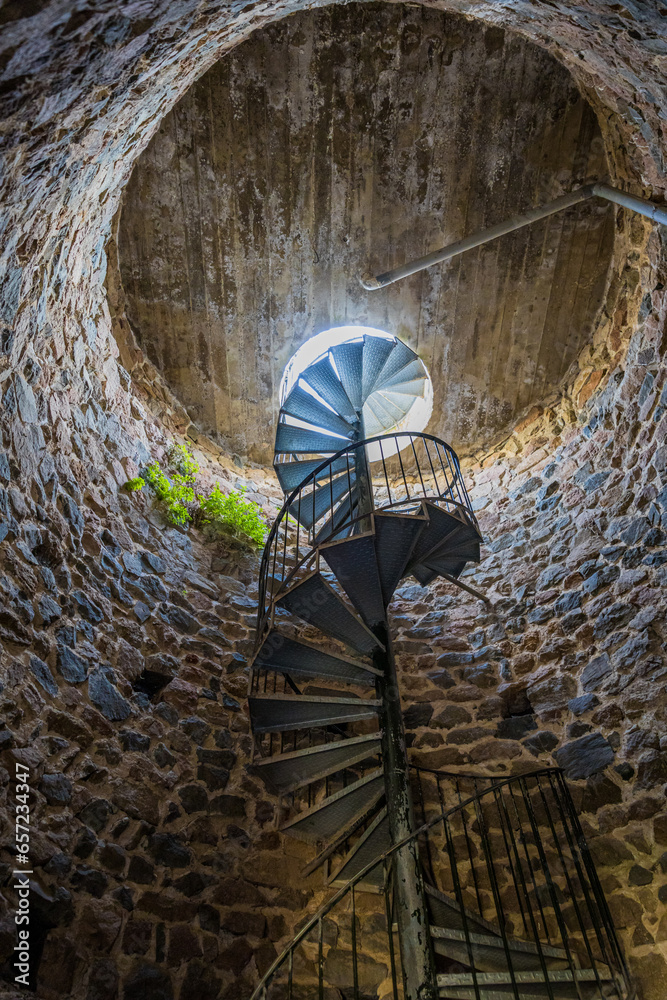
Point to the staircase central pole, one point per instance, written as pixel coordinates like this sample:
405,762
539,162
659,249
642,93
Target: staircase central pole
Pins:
417,957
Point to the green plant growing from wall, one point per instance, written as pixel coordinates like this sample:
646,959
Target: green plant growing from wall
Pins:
232,514
222,513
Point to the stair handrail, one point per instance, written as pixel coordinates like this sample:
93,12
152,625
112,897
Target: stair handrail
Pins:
463,503
384,859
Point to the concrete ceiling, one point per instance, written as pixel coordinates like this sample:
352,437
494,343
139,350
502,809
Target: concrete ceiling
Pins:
350,139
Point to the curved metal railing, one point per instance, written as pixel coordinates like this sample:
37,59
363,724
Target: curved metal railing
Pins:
536,893
318,509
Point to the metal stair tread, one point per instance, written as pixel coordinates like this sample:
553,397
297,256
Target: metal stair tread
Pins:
301,601
281,652
310,507
441,904
300,441
495,941
555,976
344,833
323,379
374,357
376,839
354,565
393,558
322,820
303,406
314,763
348,360
408,373
307,711
400,357
292,474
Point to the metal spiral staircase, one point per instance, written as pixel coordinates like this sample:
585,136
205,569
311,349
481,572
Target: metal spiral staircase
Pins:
479,902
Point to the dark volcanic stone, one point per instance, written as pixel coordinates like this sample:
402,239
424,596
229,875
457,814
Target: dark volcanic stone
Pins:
193,883
163,756
585,703
87,608
193,797
56,788
594,673
48,609
141,870
136,742
418,715
585,756
96,813
195,728
550,694
43,675
200,983
612,618
652,770
106,697
103,980
516,727
71,666
215,778
148,983
600,791
219,758
6,739
442,678
452,715
209,918
179,619
165,849
86,843
639,876
90,880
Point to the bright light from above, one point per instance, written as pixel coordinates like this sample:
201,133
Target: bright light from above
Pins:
410,401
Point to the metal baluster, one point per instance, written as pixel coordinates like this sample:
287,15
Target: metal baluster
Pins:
320,960
572,893
506,826
390,929
428,455
400,461
459,899
468,845
355,970
529,864
290,973
491,870
384,469
577,845
421,478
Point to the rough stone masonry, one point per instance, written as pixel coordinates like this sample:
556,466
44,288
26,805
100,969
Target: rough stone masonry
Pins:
124,642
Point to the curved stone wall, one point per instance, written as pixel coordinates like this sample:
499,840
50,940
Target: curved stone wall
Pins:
155,858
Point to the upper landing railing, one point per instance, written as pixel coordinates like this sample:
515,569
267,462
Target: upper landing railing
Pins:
329,505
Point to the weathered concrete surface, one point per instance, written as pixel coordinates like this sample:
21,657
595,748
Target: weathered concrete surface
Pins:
356,138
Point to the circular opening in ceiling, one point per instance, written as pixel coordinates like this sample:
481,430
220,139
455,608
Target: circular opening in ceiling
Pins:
398,402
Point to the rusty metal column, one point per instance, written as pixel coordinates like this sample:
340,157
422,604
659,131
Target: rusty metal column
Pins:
417,956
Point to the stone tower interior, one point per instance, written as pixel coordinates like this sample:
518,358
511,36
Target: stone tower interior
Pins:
417,748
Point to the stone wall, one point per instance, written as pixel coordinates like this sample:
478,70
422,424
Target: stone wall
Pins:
122,686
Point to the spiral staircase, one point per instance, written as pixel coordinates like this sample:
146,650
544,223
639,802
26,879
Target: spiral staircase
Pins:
368,505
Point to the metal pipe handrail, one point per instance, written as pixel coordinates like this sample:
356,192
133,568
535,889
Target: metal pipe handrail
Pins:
328,906
649,209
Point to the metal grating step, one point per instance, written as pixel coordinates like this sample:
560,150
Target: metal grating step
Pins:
288,771
299,441
488,951
338,525
322,821
376,352
283,712
310,507
292,474
410,372
446,912
442,526
355,568
348,360
323,379
317,603
289,656
371,845
401,356
395,538
302,405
